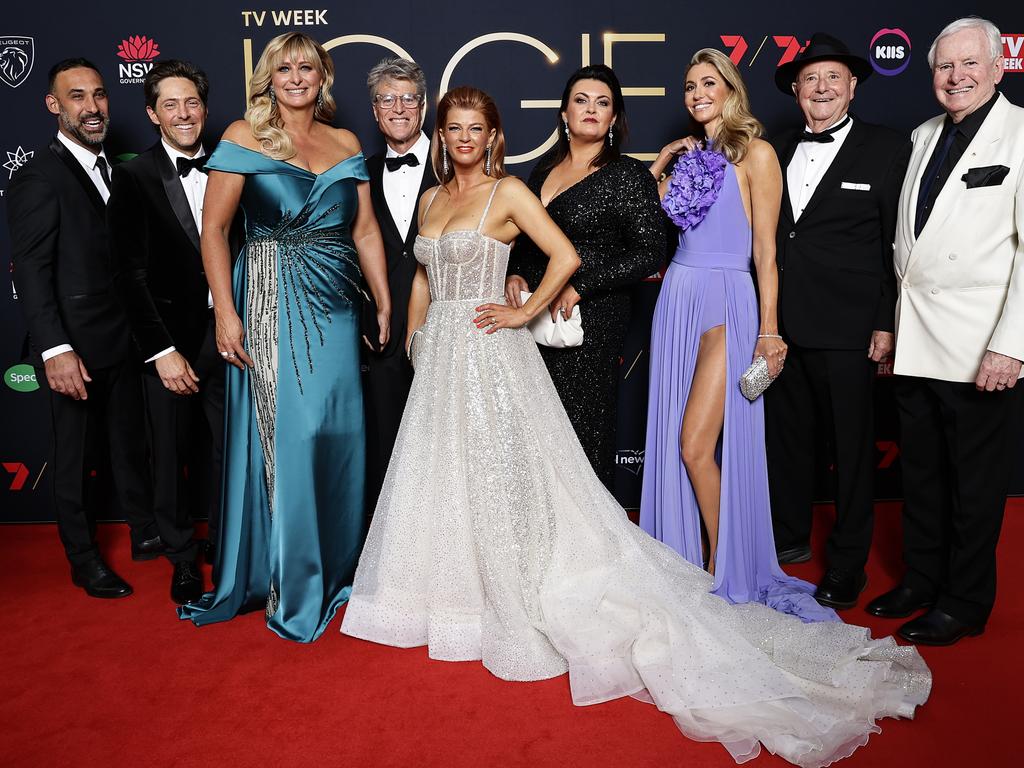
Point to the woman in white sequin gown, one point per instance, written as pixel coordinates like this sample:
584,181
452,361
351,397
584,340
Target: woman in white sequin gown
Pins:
493,539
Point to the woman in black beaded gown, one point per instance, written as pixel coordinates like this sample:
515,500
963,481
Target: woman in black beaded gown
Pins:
607,205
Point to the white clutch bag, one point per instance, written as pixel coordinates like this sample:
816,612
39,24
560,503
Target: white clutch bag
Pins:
560,333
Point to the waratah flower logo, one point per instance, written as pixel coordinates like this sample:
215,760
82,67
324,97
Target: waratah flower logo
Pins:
138,48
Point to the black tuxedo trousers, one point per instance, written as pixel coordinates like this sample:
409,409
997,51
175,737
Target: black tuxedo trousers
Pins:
114,407
829,392
957,450
186,439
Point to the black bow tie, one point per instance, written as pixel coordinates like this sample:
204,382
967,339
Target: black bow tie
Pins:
394,163
187,164
825,136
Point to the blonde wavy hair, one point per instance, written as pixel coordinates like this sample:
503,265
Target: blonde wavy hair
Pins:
738,126
263,116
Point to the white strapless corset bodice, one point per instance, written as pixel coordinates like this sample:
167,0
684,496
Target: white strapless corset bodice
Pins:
463,265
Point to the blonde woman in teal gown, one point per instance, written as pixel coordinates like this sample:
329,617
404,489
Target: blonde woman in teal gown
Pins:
288,322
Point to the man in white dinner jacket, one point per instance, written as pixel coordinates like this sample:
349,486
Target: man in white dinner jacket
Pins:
959,337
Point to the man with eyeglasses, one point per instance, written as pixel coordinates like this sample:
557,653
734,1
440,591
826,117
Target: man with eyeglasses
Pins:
398,176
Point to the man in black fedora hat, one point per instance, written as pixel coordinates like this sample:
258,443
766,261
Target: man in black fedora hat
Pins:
841,184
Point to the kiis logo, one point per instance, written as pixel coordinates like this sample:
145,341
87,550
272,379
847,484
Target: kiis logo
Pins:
630,460
138,53
889,52
21,378
1012,60
16,159
17,54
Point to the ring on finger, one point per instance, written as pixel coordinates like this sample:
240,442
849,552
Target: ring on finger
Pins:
225,354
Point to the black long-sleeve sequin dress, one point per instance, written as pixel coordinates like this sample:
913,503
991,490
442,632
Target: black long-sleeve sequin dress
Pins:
614,220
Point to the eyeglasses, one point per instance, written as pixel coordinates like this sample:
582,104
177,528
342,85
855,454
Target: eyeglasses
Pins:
388,100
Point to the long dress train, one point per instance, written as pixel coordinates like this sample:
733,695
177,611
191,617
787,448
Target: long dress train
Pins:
709,283
494,540
292,518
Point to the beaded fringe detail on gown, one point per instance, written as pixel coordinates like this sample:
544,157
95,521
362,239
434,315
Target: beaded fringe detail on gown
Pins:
493,540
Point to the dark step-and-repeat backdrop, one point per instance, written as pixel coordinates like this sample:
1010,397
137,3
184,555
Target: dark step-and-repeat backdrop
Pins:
520,52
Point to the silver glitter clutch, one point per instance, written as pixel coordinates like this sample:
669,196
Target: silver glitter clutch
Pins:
755,379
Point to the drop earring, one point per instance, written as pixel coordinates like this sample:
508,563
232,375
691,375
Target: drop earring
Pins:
487,162
611,136
273,96
444,161
320,98
566,124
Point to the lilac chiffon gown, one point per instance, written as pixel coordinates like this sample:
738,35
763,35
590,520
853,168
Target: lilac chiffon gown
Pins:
709,283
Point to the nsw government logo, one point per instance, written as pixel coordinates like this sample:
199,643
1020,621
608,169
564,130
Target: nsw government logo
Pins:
17,55
137,54
21,378
890,52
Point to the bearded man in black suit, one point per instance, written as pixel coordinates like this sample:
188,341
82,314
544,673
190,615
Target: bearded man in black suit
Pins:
837,293
78,331
155,216
398,176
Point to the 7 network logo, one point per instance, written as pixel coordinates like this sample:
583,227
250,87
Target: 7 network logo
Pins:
738,47
20,476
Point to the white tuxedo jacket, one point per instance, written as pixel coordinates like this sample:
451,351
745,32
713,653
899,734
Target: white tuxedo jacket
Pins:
961,283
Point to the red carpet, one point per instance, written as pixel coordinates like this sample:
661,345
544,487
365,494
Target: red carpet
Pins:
123,683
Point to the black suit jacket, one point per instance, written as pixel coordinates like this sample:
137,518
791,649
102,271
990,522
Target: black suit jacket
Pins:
154,246
836,279
61,257
401,262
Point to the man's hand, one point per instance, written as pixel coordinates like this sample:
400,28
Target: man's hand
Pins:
997,372
66,375
176,374
882,345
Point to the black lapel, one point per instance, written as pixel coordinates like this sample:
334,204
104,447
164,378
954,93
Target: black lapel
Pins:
380,203
847,155
175,193
79,173
429,180
784,159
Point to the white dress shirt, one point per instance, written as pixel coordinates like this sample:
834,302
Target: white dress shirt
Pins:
87,160
194,184
402,187
810,161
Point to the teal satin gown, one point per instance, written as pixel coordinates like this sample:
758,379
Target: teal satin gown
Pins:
294,456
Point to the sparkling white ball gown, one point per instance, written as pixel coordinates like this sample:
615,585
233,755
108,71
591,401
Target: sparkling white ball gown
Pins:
493,540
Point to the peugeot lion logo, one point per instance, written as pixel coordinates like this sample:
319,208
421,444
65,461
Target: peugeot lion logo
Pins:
17,55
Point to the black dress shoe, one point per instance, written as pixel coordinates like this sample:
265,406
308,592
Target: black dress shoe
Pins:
840,588
148,549
801,553
898,603
96,578
938,628
186,583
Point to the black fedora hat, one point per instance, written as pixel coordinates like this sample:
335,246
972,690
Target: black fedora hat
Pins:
822,47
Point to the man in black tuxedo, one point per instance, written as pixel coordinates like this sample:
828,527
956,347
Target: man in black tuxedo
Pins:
155,218
842,181
78,331
398,177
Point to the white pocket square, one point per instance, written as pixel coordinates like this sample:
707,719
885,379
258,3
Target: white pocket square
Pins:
855,186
